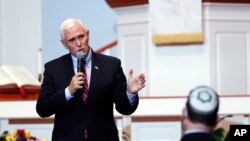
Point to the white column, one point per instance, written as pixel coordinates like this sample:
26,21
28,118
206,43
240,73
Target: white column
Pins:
133,40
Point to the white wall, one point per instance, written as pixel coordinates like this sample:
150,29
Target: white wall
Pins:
170,70
222,61
228,41
20,33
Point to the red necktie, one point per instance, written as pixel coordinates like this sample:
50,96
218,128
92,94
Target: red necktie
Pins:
85,86
85,94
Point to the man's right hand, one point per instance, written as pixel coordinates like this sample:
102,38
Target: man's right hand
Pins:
76,83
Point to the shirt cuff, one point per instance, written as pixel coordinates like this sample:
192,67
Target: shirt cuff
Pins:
131,98
68,96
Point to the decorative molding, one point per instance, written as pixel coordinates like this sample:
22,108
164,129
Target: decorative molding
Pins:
226,12
108,46
123,3
132,16
178,39
134,119
226,1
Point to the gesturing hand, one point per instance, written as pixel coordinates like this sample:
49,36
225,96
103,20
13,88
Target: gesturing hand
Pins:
135,83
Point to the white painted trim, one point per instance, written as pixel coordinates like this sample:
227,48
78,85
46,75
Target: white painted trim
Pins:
226,12
132,15
148,107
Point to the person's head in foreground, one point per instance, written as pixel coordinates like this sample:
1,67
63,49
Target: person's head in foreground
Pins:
200,114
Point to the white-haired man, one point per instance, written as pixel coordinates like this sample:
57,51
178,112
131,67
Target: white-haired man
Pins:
83,101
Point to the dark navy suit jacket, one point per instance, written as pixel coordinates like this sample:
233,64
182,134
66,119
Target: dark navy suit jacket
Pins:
107,87
198,137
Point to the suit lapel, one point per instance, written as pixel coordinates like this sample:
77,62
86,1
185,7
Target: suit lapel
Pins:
95,72
68,69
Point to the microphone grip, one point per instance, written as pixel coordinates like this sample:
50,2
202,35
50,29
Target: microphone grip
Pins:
80,64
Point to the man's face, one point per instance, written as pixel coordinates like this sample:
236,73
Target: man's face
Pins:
76,39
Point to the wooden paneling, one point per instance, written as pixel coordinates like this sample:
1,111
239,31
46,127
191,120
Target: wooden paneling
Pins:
108,46
31,120
123,3
156,119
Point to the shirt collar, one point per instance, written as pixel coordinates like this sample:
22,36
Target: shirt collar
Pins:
196,131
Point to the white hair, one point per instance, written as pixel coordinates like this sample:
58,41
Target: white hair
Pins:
69,23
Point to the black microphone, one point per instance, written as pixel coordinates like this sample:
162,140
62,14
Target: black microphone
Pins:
80,61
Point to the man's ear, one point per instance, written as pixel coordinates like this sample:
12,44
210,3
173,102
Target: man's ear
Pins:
63,43
184,112
87,33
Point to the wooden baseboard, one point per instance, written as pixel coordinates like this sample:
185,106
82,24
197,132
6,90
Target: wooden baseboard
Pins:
18,97
31,120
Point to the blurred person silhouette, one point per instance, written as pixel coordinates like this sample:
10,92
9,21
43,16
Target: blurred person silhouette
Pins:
81,88
200,114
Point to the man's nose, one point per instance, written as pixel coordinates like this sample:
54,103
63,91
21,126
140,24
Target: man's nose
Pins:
78,42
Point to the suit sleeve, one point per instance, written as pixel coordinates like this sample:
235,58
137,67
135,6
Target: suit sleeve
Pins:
123,105
51,99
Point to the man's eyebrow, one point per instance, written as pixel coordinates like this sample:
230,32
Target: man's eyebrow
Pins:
72,39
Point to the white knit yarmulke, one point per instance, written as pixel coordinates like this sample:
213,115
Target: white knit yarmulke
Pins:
203,100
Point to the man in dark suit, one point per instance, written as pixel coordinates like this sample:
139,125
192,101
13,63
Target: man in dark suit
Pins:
90,119
200,114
